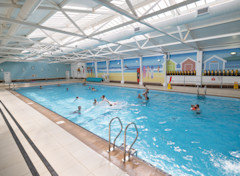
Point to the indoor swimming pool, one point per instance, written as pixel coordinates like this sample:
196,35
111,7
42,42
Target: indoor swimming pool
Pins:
171,136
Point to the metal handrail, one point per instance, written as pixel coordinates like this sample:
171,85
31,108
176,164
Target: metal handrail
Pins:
109,147
10,85
124,159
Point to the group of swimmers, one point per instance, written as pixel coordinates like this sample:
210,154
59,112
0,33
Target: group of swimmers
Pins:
145,94
195,107
94,103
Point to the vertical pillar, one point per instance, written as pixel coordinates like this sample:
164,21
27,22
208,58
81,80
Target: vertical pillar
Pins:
85,70
199,68
96,73
165,57
122,82
141,74
107,66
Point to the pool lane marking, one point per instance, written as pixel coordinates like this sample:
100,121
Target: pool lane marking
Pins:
21,148
44,160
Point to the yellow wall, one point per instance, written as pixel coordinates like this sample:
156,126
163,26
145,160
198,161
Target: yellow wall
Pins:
130,77
115,76
91,75
100,75
157,78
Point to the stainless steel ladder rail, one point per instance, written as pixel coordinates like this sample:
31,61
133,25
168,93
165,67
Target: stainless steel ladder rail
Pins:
10,85
109,147
129,150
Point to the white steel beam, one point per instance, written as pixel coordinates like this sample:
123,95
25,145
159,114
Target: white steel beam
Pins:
39,26
131,7
140,20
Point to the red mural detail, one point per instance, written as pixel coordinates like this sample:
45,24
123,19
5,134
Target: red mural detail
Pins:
188,65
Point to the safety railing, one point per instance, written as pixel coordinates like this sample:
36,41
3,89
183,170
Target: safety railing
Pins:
13,85
125,146
113,148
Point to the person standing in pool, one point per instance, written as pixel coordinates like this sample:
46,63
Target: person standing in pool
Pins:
79,110
139,96
95,102
145,94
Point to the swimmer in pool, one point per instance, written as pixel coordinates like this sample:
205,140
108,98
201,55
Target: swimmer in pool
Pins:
197,107
79,110
146,91
198,111
145,94
106,100
67,89
193,108
95,102
84,84
93,89
76,99
139,96
40,87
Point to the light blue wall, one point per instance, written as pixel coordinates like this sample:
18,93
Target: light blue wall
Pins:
26,70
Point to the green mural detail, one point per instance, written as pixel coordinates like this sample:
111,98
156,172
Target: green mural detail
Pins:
171,65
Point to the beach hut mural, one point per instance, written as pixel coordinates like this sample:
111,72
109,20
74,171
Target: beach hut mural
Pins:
188,64
214,63
171,65
178,67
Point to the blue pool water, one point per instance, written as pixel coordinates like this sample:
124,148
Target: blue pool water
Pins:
171,136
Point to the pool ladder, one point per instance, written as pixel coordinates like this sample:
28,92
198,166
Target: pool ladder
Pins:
127,149
9,85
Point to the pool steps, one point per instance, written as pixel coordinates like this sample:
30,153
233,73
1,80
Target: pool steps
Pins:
113,147
126,148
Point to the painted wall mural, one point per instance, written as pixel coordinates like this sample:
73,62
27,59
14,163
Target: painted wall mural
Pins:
222,62
182,64
153,69
91,69
101,68
115,73
130,67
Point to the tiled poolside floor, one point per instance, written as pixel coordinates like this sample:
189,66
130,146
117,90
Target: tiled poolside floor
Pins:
66,154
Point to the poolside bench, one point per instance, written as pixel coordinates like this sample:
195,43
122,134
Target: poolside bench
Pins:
91,79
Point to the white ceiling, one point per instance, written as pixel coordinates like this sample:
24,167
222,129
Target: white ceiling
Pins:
88,30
